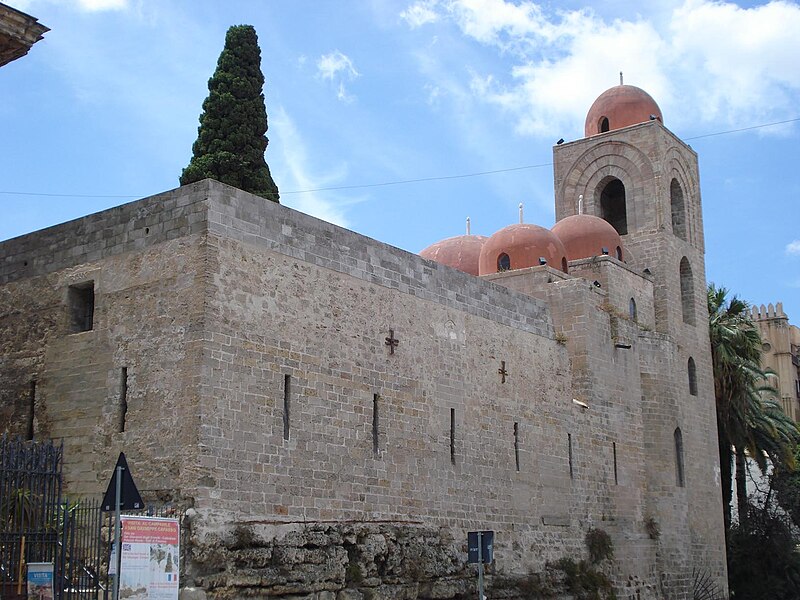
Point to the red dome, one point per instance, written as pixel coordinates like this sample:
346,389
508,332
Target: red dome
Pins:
460,252
620,106
585,236
520,246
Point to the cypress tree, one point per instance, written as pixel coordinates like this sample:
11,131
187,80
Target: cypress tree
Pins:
231,139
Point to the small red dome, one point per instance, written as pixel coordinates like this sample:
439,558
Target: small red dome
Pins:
460,252
620,106
520,246
585,236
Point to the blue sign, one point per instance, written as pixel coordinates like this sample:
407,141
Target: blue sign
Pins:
483,540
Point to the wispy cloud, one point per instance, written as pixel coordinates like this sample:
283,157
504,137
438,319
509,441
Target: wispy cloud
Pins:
704,60
337,67
420,13
793,248
81,5
297,175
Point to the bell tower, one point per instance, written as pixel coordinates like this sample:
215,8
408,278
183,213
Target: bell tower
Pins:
634,173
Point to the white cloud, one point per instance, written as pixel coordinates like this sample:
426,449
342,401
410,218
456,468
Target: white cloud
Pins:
337,67
793,248
703,60
420,13
336,63
298,176
99,5
82,5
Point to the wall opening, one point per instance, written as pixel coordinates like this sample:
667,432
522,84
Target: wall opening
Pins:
571,468
503,262
31,411
679,473
516,444
602,126
612,205
619,253
564,265
687,291
678,208
123,399
632,309
453,435
81,306
692,377
287,397
375,424
616,476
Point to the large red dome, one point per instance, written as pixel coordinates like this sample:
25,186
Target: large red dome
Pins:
585,236
460,252
520,246
620,106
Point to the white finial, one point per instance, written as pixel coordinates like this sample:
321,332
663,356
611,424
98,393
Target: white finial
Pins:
467,225
580,204
620,77
520,212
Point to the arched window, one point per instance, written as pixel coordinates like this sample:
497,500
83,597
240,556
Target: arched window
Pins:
612,205
619,253
564,265
632,308
680,479
687,292
692,377
602,127
503,262
678,209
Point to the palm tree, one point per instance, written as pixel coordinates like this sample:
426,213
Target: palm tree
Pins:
748,419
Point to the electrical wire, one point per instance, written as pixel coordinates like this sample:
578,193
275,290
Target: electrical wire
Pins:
402,181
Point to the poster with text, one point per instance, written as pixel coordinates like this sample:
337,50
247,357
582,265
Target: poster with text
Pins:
150,558
40,581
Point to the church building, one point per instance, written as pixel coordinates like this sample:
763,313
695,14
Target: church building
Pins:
336,413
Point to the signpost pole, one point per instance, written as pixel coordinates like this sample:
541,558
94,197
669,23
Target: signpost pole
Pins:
480,565
117,545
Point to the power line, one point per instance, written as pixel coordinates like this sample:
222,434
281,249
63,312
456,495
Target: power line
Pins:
403,181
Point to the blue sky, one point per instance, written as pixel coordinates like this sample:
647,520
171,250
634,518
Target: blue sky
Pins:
105,110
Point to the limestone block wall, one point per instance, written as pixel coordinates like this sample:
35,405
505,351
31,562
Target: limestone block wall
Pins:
146,262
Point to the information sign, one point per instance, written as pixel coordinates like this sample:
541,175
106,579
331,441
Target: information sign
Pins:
150,558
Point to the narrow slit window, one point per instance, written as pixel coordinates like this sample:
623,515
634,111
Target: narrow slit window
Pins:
632,309
31,410
680,478
375,424
571,468
81,307
287,396
516,444
453,435
692,372
123,399
616,474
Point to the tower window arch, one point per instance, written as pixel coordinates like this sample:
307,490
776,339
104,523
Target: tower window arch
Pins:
678,209
632,309
692,371
564,266
503,262
619,253
602,126
680,477
612,205
687,291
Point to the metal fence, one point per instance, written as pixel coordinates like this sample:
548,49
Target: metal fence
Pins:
37,524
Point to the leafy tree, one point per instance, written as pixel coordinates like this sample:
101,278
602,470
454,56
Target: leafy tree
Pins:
786,483
231,139
747,418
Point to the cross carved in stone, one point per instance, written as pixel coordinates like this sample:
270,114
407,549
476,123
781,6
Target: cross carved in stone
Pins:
391,341
502,371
